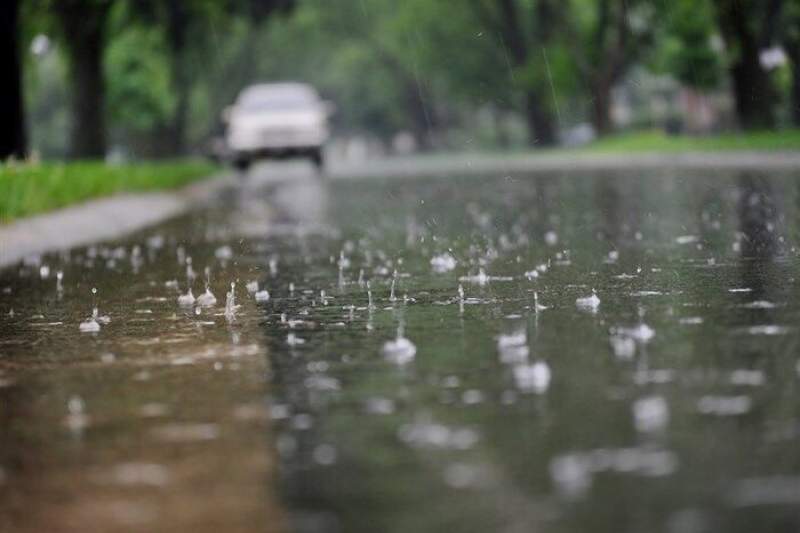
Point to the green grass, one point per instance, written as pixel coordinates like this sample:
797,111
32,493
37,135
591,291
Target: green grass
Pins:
27,189
656,141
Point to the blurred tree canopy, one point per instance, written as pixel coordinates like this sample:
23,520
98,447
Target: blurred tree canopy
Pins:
151,77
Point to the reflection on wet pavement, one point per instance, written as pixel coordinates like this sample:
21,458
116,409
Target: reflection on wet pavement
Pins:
515,353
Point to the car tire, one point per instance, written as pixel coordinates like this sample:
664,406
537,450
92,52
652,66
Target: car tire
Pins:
242,164
318,159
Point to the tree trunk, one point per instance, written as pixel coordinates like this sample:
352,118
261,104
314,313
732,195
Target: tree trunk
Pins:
12,132
84,27
421,118
601,107
753,92
541,127
796,93
792,47
177,21
539,118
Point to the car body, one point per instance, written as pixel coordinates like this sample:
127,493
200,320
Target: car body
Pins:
277,120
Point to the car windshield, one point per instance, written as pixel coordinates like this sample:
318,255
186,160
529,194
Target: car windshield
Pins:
270,100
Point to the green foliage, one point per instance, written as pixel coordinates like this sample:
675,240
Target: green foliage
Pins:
28,189
46,98
657,141
139,91
414,65
687,50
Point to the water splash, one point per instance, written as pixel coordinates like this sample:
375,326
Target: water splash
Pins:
392,297
294,340
588,303
534,378
400,350
186,300
207,299
537,307
230,303
344,262
92,324
443,263
650,414
252,287
191,275
481,278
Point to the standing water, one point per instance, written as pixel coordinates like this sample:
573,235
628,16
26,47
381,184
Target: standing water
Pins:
670,406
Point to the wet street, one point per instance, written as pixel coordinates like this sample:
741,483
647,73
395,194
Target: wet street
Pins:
565,352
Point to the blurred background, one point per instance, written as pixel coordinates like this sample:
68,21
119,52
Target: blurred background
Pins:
138,79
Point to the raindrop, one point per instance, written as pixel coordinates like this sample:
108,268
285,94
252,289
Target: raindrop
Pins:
294,340
624,347
230,303
223,253
443,263
650,414
400,350
325,454
724,405
190,273
533,378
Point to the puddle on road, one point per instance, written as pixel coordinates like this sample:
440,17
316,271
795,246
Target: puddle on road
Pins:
564,353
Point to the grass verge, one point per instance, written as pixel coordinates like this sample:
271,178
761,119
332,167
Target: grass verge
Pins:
656,141
27,189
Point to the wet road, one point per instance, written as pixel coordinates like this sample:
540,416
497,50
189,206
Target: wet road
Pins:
369,393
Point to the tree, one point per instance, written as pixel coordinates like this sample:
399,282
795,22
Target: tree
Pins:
527,45
748,27
12,132
607,37
686,49
791,43
370,56
185,25
83,24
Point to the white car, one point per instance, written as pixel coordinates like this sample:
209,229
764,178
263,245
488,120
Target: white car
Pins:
277,120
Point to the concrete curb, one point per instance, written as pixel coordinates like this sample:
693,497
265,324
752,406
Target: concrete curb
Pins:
566,162
101,219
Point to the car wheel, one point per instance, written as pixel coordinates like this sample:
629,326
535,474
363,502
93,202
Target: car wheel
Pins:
241,164
319,160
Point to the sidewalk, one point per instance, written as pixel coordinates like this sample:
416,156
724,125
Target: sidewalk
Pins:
98,220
